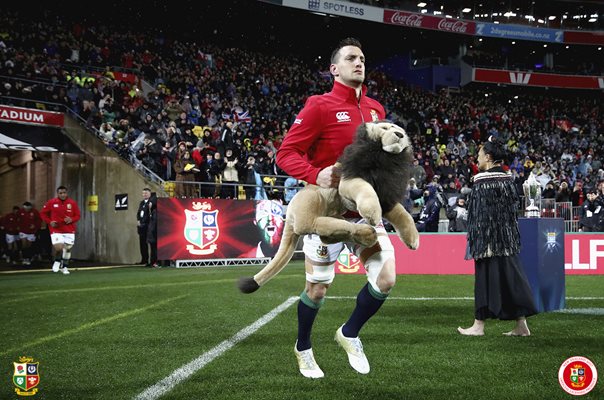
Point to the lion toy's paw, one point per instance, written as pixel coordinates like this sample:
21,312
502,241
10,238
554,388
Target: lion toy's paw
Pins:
365,235
411,238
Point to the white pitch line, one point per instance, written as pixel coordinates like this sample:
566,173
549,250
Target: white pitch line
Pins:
444,298
583,311
168,383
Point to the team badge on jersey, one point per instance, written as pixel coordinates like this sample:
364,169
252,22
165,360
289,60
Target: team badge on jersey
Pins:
374,115
201,229
26,376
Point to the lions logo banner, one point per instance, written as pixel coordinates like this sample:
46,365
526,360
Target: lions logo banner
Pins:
190,229
201,229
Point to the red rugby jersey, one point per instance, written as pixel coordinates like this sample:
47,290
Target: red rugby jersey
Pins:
323,128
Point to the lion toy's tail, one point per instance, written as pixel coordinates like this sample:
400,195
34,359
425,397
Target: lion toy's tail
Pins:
289,240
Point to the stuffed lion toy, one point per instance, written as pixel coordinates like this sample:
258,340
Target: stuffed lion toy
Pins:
375,170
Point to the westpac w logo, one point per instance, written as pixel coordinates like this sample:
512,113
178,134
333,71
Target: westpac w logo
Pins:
520,78
314,4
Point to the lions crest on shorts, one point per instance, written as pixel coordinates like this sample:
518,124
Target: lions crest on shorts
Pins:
322,251
201,229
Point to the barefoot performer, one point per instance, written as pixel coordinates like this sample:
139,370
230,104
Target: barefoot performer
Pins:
501,289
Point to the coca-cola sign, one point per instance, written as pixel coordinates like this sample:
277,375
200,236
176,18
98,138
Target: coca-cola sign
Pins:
424,21
407,19
453,25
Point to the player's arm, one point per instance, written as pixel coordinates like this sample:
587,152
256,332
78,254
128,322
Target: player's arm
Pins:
45,213
75,216
298,141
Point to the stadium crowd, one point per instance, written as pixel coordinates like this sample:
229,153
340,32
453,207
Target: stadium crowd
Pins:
218,115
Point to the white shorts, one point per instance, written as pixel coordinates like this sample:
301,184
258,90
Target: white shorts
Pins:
65,238
11,238
31,237
319,252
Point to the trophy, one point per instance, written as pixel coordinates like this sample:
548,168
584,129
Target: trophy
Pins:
532,195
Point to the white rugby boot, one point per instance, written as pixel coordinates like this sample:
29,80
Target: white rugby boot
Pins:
56,266
307,364
354,350
65,271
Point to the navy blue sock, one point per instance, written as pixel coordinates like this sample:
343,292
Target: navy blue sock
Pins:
368,303
307,311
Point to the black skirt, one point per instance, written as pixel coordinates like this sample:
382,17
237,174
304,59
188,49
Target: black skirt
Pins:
501,289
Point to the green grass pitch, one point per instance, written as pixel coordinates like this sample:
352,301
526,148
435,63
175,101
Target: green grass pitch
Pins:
111,334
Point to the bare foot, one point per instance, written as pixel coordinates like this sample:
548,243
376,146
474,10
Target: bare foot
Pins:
471,331
517,333
521,329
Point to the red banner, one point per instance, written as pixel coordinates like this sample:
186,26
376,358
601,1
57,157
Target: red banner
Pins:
526,78
443,254
584,37
31,116
440,254
190,229
415,20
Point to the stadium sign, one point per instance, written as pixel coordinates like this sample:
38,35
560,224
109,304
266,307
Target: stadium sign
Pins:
423,21
341,8
519,32
31,116
584,37
531,78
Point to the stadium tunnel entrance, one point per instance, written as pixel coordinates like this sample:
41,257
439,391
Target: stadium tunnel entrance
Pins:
36,159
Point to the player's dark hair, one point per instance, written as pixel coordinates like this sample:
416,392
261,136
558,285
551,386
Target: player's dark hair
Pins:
496,149
27,204
343,43
146,189
61,188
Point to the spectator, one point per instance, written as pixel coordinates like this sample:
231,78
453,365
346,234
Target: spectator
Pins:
185,176
592,213
577,196
427,219
458,215
563,195
549,192
230,175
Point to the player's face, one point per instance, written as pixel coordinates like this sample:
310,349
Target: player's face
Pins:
350,66
146,194
62,194
269,220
